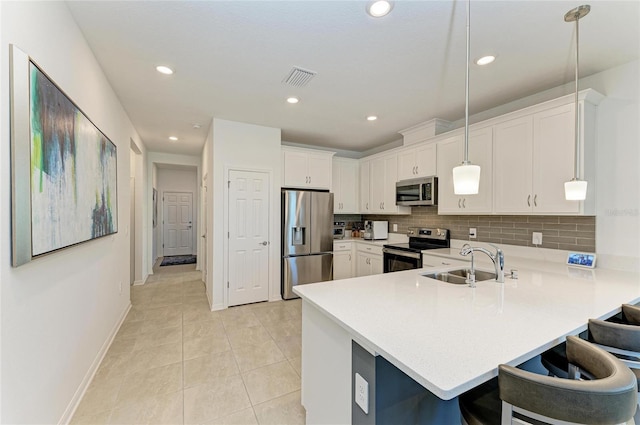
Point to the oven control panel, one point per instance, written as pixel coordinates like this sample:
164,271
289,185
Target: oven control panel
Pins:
428,233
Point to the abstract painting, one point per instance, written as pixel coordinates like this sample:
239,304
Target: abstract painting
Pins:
72,172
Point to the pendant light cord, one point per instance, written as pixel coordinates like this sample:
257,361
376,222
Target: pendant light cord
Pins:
576,163
466,91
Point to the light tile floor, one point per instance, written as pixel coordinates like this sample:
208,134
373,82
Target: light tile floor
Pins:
174,361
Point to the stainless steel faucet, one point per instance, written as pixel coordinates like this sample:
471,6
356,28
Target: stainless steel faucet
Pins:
497,258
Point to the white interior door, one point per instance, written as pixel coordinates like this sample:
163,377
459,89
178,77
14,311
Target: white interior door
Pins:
178,223
248,212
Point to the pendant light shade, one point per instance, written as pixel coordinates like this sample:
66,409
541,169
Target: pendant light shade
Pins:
576,189
466,177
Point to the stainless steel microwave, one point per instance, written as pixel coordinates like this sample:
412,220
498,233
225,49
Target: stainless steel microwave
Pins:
421,191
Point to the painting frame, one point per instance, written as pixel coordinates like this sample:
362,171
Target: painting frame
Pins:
73,197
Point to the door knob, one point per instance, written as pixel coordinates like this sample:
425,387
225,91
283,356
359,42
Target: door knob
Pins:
265,243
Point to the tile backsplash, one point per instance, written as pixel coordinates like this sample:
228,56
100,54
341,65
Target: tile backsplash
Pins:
558,232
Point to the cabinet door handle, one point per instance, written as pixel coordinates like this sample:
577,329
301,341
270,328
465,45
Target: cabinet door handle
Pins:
464,200
535,200
349,257
367,205
416,169
309,179
529,200
459,203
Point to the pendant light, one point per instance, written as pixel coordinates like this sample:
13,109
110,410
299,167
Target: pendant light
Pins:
466,177
576,189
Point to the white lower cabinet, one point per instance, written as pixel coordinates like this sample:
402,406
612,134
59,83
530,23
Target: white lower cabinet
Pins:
343,261
368,260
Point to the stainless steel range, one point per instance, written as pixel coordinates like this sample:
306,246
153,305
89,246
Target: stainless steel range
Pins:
407,256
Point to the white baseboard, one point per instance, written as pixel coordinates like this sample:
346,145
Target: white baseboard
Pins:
88,377
218,306
139,282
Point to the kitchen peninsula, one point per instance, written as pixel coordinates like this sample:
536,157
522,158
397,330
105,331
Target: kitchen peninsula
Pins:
448,338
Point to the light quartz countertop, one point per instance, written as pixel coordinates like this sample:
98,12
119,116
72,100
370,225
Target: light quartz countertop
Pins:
451,338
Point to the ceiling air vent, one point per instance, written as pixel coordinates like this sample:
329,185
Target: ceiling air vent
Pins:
299,77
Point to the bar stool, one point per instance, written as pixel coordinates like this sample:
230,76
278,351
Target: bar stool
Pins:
631,314
608,399
620,339
555,360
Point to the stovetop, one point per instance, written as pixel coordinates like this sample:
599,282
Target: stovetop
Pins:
423,238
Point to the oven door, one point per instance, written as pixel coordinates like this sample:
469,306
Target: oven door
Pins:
396,260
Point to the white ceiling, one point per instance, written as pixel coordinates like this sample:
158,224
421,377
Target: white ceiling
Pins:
230,58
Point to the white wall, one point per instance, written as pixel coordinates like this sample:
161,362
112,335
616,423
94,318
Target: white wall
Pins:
207,170
170,180
152,176
142,224
60,311
250,147
156,230
4,205
618,172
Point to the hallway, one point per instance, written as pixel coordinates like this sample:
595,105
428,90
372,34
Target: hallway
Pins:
174,361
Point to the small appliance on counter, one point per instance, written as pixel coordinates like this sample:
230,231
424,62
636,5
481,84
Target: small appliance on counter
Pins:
376,230
339,229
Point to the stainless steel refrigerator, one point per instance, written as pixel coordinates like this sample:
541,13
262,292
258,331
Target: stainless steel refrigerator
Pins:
307,239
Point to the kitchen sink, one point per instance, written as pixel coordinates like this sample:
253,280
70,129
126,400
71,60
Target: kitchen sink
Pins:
459,276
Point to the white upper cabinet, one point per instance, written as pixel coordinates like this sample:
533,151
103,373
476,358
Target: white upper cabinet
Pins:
306,168
450,155
383,175
345,186
417,161
534,156
365,185
513,155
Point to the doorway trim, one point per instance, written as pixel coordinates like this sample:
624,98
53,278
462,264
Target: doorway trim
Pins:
194,244
160,158
274,249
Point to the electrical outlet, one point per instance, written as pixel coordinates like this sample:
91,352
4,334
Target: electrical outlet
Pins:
362,393
395,227
536,238
472,233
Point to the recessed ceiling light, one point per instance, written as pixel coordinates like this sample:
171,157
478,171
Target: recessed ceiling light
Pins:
485,60
293,99
164,69
173,138
196,126
372,118
379,8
